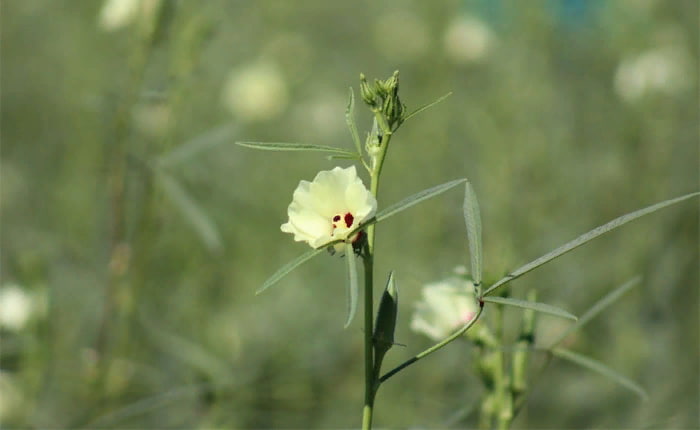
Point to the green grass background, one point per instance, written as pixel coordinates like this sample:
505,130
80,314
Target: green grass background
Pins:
536,125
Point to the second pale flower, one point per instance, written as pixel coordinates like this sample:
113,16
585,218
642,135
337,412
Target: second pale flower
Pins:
446,306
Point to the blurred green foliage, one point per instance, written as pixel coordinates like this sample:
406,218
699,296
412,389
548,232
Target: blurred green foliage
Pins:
141,232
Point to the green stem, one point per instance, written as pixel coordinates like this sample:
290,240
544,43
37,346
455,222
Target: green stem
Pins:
501,380
371,374
370,391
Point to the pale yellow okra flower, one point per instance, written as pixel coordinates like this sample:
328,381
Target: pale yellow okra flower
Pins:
329,207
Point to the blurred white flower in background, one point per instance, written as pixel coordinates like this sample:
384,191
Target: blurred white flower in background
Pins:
255,92
116,14
330,207
322,115
661,70
401,35
467,39
16,307
446,306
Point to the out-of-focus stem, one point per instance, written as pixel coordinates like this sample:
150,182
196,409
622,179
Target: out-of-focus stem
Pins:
116,162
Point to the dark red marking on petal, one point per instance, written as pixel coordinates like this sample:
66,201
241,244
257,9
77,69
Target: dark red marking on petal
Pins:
349,219
336,218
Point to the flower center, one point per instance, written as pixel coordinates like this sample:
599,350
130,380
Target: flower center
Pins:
342,223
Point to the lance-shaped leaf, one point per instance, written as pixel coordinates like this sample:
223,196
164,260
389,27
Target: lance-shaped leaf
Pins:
472,219
350,121
587,237
597,308
284,270
599,367
190,210
353,286
415,199
280,146
344,157
427,106
535,306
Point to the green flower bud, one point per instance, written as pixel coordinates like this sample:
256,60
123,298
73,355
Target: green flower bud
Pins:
368,94
392,108
392,84
388,109
381,88
386,319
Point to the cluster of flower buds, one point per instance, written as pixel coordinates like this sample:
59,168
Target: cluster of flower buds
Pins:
383,97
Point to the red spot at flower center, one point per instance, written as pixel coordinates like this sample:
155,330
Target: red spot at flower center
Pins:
348,219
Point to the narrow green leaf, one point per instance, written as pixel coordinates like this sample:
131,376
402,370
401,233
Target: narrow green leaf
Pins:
350,120
427,106
586,237
472,219
279,146
599,367
353,286
344,157
416,198
190,210
535,306
205,141
284,270
597,308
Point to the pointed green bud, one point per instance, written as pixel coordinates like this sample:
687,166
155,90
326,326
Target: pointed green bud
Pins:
392,108
388,109
392,84
381,88
368,94
386,318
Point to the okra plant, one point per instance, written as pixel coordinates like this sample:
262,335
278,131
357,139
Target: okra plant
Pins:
337,214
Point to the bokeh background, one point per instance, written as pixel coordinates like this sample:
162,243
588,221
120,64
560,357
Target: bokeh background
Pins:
134,233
